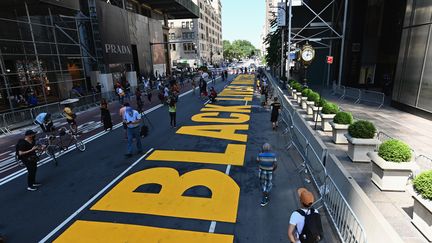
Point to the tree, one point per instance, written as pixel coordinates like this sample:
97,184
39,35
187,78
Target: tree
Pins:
273,40
238,49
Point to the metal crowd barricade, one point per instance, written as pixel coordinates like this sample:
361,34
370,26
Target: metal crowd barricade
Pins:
15,119
372,97
353,93
340,91
348,226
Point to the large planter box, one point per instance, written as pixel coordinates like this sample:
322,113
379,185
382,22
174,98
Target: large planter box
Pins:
359,147
316,112
310,105
303,103
422,216
325,122
299,96
294,94
339,131
389,176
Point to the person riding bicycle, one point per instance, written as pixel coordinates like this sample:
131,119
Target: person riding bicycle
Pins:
70,117
45,122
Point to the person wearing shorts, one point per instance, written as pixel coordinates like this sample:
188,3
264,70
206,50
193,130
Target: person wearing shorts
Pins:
70,116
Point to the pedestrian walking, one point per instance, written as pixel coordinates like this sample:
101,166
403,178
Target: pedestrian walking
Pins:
267,163
172,109
139,101
127,90
305,223
226,75
26,151
193,85
122,112
149,95
132,119
120,93
203,87
105,115
276,106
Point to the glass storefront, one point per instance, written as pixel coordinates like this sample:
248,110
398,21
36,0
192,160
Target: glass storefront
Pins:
40,55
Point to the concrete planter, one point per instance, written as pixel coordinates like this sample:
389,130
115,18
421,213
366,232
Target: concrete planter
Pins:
310,105
339,131
422,216
303,102
299,96
325,121
294,94
359,147
316,111
389,176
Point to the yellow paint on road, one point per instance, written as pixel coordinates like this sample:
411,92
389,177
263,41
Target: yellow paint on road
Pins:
227,132
87,231
230,108
233,155
236,99
236,118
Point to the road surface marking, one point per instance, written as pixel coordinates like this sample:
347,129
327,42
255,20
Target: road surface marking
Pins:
60,226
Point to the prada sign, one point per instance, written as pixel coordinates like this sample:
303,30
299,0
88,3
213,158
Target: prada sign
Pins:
117,49
72,4
114,29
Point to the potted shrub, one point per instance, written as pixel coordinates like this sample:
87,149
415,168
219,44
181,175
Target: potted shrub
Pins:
361,140
340,125
304,98
328,111
392,165
297,88
317,109
312,99
422,214
290,86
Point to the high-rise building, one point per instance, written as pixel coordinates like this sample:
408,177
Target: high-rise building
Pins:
197,42
270,13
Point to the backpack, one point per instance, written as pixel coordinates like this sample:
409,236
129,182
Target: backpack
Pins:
312,230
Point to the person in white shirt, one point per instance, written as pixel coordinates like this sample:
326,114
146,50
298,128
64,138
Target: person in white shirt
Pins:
132,120
297,221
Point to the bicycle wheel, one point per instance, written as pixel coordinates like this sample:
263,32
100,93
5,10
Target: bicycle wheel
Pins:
80,145
50,151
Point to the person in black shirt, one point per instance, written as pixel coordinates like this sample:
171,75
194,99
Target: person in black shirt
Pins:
275,112
26,149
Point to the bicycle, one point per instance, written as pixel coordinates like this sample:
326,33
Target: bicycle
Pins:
51,145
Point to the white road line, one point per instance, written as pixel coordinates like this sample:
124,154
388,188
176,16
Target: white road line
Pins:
228,168
212,227
60,226
5,152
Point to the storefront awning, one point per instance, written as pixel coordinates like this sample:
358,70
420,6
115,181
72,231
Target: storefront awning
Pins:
175,9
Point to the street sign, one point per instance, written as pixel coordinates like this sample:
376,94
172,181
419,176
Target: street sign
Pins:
281,14
329,59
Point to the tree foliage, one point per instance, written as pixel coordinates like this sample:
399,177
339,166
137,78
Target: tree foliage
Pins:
238,49
273,40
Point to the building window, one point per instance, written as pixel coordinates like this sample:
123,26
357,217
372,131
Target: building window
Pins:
191,24
173,47
171,25
183,25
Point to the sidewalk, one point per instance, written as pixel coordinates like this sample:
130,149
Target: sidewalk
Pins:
396,207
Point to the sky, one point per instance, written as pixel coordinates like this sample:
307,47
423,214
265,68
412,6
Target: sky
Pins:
243,19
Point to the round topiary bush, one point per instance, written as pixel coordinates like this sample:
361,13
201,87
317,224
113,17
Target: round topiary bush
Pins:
321,102
329,108
298,87
343,117
313,96
395,151
306,92
362,129
423,184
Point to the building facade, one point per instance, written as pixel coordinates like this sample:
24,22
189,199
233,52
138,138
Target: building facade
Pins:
52,50
270,13
197,42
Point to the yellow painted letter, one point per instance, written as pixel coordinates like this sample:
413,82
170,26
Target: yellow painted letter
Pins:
220,206
212,117
227,132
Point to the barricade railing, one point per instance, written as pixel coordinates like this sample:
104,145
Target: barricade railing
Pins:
352,93
370,96
18,118
348,227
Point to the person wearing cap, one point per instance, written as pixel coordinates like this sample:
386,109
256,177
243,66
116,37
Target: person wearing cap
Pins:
26,151
267,164
132,119
297,220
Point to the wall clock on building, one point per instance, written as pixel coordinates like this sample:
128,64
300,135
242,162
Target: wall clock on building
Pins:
307,54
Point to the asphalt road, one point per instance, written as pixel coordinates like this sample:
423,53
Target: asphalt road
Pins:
172,193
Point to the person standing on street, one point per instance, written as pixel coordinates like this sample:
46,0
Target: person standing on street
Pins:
132,119
26,151
267,165
172,109
139,102
122,112
106,115
298,230
276,106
